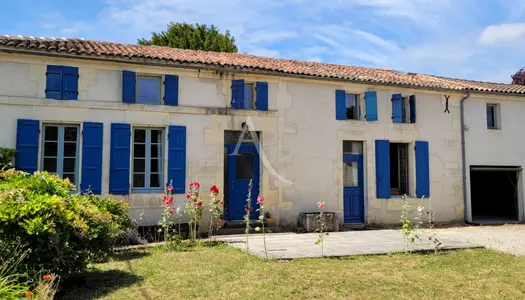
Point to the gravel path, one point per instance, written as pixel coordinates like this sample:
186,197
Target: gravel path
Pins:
505,238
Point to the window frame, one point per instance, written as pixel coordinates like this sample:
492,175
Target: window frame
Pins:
60,150
397,191
252,99
495,116
137,89
147,157
357,114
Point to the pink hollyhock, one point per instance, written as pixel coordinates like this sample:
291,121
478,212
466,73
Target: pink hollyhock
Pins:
170,187
142,214
214,189
260,199
164,198
172,211
248,210
195,184
188,196
320,204
169,201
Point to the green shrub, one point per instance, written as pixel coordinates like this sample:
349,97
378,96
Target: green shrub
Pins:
63,231
13,285
6,158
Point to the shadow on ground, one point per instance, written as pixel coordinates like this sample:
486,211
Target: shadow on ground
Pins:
128,255
94,284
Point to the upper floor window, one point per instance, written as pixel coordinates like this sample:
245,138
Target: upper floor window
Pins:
62,82
148,158
403,109
352,106
148,89
60,151
493,116
249,96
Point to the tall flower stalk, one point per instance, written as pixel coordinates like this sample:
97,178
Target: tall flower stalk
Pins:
194,209
216,210
248,210
320,222
165,221
432,224
260,202
408,229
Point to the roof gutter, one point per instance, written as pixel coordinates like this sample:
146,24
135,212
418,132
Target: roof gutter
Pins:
232,69
463,152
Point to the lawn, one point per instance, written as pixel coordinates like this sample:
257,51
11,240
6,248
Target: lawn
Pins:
221,272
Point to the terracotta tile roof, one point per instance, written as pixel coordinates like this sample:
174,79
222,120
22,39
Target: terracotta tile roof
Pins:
83,48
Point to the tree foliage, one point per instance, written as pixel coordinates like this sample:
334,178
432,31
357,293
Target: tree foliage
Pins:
519,77
195,37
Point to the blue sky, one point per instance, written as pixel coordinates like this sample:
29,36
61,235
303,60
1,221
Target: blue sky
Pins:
473,39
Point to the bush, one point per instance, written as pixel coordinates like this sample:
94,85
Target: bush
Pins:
63,231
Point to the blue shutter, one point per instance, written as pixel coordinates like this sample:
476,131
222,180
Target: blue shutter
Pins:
422,169
340,105
129,89
413,109
54,82
261,96
177,158
238,94
69,83
119,159
92,141
371,106
171,90
383,169
397,108
27,133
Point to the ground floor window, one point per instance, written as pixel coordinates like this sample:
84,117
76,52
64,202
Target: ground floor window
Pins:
60,150
398,169
148,158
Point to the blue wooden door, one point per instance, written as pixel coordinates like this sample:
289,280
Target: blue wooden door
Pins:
243,164
354,206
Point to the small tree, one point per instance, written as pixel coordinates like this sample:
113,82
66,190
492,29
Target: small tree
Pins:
519,77
194,37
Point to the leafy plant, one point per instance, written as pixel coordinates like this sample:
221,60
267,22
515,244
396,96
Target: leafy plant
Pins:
320,223
260,220
6,158
194,209
248,210
408,229
165,222
63,231
13,285
216,210
432,224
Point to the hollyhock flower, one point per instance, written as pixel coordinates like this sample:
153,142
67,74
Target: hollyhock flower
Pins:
46,277
260,199
248,210
195,184
188,196
28,294
199,204
320,204
222,202
214,189
428,212
433,222
170,187
142,214
164,198
172,211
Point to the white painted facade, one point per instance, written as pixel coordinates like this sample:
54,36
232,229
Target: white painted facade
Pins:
301,139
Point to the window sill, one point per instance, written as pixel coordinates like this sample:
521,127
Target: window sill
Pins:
494,129
147,191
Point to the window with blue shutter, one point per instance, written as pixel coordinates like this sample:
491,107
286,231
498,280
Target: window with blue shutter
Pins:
340,105
148,160
412,103
177,158
129,87
238,94
371,106
382,169
171,90
60,150
397,108
27,134
62,82
92,142
422,169
261,97
119,159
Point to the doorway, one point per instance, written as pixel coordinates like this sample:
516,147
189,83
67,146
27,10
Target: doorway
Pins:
353,185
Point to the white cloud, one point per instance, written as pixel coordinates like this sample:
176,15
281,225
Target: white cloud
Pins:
502,34
263,36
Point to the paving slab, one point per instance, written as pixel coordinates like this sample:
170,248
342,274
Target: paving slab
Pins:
293,245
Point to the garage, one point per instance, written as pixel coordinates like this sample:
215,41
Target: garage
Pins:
494,194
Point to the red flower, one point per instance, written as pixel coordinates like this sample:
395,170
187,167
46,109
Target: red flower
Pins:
320,204
248,210
142,214
164,198
199,204
170,187
188,196
28,294
172,211
46,277
260,199
222,202
214,189
195,184
433,222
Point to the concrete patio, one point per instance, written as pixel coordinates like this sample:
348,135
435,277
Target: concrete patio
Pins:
292,245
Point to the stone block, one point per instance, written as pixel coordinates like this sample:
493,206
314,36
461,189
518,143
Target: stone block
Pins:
308,221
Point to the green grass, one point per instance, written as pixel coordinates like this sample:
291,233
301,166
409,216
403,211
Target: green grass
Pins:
225,273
